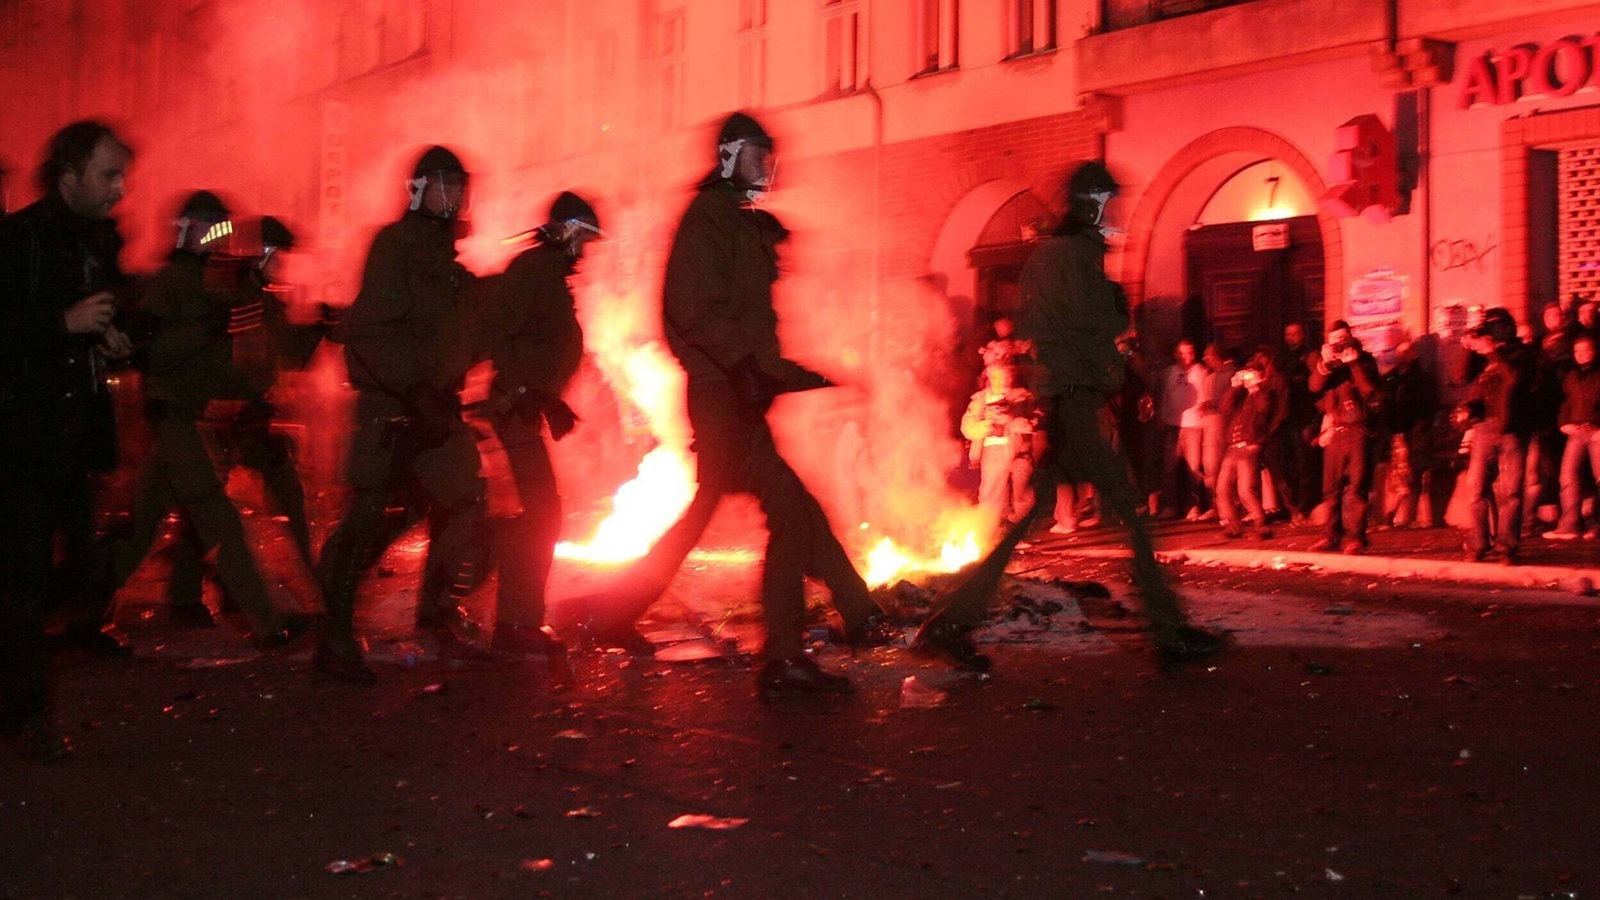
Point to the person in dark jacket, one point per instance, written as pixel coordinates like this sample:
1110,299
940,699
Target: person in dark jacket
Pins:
1294,460
406,357
720,323
1344,379
1073,315
1496,466
532,335
1254,408
190,372
1409,406
1580,422
59,270
263,343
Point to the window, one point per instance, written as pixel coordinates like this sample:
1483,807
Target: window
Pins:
402,29
841,47
595,91
669,44
10,23
1030,26
752,53
381,34
937,35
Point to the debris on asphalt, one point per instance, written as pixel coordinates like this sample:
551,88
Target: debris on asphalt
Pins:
583,812
711,823
1112,858
916,695
571,734
537,865
1341,609
1331,875
366,864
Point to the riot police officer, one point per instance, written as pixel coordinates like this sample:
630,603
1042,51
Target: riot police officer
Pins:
533,337
190,378
719,320
247,272
409,439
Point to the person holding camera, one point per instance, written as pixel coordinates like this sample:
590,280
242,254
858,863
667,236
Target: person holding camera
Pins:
1344,379
1254,408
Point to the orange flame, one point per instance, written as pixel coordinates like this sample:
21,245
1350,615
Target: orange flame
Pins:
888,561
644,372
642,509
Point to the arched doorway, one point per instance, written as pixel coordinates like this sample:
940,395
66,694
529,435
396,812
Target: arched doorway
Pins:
1251,292
1253,260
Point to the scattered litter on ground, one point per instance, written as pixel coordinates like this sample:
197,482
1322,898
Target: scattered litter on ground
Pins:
1112,858
366,864
537,865
711,823
216,662
583,812
916,695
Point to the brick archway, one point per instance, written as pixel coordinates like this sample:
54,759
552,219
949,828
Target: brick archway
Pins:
1141,227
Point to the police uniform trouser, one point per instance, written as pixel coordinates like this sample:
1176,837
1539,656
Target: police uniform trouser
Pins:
179,473
735,454
526,543
1077,450
381,466
270,455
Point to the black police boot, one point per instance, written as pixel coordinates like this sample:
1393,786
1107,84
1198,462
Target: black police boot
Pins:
870,632
1188,644
36,739
191,616
325,661
107,640
290,628
522,640
942,637
798,675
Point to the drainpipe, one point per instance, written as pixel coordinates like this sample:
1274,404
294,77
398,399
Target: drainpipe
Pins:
1425,201
874,296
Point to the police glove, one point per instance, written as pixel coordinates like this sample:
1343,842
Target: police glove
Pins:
558,415
434,413
756,388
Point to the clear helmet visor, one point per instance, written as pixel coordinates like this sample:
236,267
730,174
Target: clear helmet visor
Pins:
442,195
749,165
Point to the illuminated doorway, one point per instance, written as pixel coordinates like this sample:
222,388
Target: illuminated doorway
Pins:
1253,261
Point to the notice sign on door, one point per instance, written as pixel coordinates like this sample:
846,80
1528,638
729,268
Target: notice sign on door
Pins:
1272,236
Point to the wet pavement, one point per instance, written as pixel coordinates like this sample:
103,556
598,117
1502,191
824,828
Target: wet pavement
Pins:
1369,735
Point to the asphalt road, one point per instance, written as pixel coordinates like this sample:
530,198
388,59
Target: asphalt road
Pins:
1364,738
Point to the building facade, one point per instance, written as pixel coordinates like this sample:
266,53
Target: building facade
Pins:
922,141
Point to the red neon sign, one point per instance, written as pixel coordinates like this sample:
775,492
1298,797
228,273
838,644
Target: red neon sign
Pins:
1557,69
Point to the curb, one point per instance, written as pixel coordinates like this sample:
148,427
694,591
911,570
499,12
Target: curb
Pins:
1565,578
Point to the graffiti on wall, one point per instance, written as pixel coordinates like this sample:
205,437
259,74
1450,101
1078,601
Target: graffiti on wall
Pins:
1450,254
